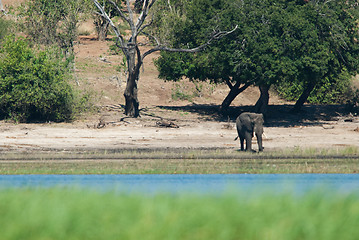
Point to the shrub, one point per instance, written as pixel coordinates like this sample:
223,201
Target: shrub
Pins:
33,83
4,27
329,91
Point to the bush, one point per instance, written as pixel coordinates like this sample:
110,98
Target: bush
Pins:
4,28
33,83
329,91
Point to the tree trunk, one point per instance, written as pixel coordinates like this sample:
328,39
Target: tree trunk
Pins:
262,103
233,93
138,6
131,96
303,98
132,104
102,32
101,28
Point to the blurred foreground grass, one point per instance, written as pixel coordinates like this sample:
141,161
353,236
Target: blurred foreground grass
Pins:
78,214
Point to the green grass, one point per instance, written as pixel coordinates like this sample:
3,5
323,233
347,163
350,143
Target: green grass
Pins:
79,214
182,161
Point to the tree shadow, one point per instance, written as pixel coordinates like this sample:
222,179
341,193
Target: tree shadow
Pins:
309,115
209,112
277,115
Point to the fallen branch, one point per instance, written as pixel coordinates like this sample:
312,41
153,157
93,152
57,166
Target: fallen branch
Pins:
166,124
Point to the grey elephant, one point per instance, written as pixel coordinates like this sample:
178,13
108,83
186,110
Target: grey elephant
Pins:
249,124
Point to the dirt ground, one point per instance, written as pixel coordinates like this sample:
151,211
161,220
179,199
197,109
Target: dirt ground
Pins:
194,122
195,131
168,123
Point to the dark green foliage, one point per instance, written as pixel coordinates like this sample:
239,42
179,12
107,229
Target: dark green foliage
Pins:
292,44
33,85
321,47
329,91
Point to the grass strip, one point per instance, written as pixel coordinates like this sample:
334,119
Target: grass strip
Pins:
184,153
180,166
184,161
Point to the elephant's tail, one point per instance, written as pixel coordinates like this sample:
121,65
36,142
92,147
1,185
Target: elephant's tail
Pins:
235,139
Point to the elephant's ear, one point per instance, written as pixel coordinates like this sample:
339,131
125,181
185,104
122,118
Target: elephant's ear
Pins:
261,116
260,119
248,124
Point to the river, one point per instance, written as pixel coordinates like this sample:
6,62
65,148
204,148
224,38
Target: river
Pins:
247,184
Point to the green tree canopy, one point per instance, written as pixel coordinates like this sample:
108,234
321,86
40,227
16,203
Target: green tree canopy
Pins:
280,42
322,45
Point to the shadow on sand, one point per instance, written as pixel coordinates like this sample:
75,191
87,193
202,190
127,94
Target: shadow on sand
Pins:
277,116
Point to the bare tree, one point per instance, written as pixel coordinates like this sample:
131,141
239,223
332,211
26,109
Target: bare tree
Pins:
1,7
101,23
131,50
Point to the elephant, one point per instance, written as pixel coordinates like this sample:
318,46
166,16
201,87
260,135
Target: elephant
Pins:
249,124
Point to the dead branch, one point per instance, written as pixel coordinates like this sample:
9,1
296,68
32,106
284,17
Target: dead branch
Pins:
215,36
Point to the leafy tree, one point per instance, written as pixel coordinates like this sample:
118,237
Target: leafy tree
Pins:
309,45
260,56
53,22
131,49
329,91
33,84
326,34
239,60
279,42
